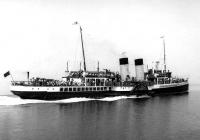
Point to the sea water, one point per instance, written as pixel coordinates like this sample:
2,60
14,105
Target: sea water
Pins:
174,117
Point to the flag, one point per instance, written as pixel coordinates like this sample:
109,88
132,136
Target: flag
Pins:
7,74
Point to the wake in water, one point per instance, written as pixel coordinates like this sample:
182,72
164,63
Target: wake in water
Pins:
13,100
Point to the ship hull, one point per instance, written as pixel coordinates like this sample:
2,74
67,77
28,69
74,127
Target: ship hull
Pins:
169,89
58,93
65,95
65,92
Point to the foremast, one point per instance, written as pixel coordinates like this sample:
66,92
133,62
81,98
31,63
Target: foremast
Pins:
83,51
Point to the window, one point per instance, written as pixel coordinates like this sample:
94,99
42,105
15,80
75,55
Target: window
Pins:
94,89
66,89
61,89
83,89
74,89
91,89
79,89
98,88
101,88
70,89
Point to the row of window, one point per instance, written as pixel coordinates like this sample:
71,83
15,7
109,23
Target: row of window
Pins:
84,89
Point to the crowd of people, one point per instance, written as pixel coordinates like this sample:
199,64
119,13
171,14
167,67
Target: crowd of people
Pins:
71,82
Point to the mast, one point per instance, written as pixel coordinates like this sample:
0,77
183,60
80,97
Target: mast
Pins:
28,76
67,67
98,66
84,64
83,49
164,53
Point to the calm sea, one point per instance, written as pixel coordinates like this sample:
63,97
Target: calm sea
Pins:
119,118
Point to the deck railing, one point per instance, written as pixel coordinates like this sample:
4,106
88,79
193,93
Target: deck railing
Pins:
61,83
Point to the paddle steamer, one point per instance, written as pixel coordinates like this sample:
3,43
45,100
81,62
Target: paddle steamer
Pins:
99,84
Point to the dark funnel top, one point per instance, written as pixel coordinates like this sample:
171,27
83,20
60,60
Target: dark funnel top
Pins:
123,61
138,62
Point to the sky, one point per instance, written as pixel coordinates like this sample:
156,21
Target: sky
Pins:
38,36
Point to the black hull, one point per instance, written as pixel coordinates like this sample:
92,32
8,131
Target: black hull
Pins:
67,95
99,94
170,90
